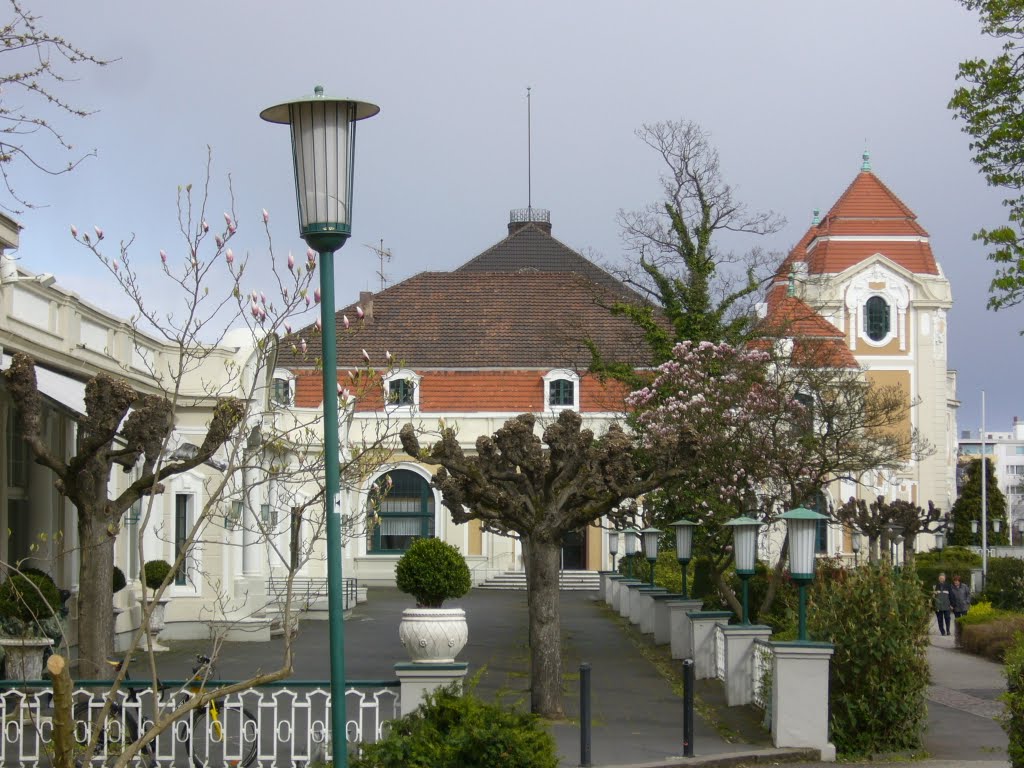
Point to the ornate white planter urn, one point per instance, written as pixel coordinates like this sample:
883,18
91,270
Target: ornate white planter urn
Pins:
433,635
24,656
156,624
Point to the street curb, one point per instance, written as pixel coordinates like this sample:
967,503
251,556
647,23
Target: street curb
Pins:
778,755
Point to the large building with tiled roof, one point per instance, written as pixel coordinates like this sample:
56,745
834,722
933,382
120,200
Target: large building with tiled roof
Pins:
507,332
867,268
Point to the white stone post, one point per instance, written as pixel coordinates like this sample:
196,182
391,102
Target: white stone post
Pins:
660,628
417,680
626,596
679,626
645,616
702,640
800,696
739,661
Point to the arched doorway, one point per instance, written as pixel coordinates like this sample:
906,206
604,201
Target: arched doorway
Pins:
406,513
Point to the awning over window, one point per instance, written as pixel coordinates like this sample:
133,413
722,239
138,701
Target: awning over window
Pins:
59,389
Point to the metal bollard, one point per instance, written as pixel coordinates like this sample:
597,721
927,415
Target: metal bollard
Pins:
688,681
585,715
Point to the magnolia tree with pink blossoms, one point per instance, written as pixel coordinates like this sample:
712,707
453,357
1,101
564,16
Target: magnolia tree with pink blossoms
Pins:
770,433
132,422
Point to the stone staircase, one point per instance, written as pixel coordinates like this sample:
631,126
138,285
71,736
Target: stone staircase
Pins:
567,580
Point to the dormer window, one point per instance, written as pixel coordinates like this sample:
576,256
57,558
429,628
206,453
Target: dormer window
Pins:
282,389
561,390
877,322
402,389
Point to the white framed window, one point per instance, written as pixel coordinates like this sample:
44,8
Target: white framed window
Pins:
282,388
561,390
878,324
402,390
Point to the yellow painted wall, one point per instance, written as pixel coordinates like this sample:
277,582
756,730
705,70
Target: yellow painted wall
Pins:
475,538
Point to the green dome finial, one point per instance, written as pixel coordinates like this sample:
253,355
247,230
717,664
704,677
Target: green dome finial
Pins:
791,288
817,217
866,158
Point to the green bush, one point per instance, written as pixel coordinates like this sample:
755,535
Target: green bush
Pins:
667,572
27,601
432,571
1004,584
450,730
154,572
704,586
1012,719
877,620
120,582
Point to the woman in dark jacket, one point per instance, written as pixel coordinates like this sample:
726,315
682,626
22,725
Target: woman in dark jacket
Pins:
959,597
941,602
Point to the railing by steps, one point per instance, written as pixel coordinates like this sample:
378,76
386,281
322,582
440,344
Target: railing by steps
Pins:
288,722
567,580
762,673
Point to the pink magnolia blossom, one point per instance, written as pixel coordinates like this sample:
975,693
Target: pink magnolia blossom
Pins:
311,256
291,261
366,356
359,312
74,231
345,322
319,326
99,233
303,345
114,266
227,218
229,256
288,329
163,256
219,241
266,216
316,295
206,227
308,301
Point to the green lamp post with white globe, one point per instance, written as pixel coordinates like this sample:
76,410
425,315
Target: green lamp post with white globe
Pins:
323,152
684,546
744,552
802,526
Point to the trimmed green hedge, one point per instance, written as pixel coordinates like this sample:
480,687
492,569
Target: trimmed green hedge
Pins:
877,619
432,571
1012,719
450,730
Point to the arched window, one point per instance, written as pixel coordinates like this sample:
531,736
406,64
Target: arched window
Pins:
282,389
406,513
876,318
402,390
561,390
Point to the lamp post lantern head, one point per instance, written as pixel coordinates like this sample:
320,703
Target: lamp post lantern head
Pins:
996,525
802,524
613,543
650,541
631,536
323,150
974,526
744,540
684,539
940,541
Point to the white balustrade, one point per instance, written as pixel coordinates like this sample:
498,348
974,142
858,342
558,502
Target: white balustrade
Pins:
286,725
762,673
719,652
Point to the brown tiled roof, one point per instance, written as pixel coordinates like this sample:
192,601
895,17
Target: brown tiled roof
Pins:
816,342
532,248
833,256
472,319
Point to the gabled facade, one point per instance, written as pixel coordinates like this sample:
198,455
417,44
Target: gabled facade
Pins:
867,268
506,333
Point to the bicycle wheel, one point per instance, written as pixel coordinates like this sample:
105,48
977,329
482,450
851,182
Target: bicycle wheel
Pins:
229,741
118,730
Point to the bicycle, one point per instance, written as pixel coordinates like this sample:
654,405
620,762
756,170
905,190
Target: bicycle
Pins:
220,734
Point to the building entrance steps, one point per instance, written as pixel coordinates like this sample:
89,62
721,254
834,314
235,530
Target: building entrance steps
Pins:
569,581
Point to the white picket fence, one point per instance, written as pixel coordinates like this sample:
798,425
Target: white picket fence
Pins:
281,725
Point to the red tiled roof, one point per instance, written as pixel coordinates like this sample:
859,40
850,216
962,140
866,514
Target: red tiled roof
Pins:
816,341
867,209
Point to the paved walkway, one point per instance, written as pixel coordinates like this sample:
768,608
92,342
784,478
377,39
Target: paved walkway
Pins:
637,715
637,711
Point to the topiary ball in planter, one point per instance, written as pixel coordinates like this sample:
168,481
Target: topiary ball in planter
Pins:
154,572
120,582
432,571
26,601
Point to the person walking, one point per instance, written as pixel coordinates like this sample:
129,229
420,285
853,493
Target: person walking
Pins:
941,595
959,597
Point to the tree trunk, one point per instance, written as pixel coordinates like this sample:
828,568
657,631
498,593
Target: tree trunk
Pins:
95,605
545,628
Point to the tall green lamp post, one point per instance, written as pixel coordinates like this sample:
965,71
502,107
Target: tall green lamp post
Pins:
802,525
744,551
684,546
650,537
323,150
613,545
631,537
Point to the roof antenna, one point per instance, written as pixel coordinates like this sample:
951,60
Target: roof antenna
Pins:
383,256
529,158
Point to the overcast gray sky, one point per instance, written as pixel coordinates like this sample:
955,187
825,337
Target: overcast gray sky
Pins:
790,92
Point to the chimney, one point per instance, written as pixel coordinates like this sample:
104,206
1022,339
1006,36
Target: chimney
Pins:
518,218
366,302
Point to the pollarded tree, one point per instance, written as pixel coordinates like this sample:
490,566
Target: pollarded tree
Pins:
542,488
989,104
967,508
881,521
